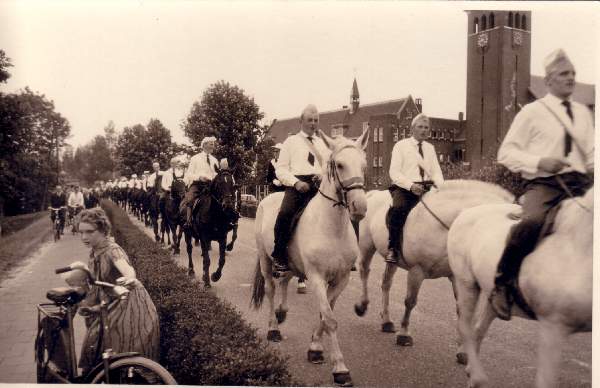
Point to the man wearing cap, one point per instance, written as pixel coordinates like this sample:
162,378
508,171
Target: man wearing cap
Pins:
201,171
414,168
274,183
550,141
299,169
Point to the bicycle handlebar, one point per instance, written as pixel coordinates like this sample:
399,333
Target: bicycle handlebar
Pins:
62,270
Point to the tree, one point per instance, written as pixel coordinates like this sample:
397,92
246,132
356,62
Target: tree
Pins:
233,118
31,137
4,63
110,133
137,147
264,153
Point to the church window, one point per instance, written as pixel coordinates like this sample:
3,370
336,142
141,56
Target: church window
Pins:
476,25
483,23
337,131
492,21
523,22
510,19
381,134
381,161
517,20
396,134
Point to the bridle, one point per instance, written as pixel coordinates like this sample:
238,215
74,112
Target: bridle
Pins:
345,186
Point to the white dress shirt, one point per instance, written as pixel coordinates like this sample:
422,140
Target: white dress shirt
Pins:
536,133
139,184
294,155
404,166
76,199
201,168
152,178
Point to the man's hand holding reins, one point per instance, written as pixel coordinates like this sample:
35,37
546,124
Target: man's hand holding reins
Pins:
302,187
417,189
553,165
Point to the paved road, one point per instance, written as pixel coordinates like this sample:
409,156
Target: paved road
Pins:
508,353
19,293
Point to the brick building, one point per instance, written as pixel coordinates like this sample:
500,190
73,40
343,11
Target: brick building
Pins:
499,83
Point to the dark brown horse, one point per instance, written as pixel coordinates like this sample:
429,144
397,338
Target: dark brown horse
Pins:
214,226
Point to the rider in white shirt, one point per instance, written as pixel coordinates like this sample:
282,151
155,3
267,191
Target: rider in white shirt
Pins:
201,171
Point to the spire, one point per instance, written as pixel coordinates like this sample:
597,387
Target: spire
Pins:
354,97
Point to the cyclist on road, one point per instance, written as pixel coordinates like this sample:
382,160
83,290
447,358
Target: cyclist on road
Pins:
58,199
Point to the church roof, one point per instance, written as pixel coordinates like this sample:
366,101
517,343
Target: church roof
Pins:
354,92
584,93
353,122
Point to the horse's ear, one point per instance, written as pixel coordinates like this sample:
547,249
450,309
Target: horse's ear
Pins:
326,139
363,140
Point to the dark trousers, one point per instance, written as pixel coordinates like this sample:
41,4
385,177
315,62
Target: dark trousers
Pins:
200,190
541,196
402,203
293,201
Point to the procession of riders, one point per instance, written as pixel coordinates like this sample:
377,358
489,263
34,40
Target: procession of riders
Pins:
550,143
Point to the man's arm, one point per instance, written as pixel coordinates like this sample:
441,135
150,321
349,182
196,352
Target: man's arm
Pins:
283,165
436,174
512,152
396,175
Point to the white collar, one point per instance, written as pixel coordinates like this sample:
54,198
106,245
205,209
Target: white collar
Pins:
306,135
551,98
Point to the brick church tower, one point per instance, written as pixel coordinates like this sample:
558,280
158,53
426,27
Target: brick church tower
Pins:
498,78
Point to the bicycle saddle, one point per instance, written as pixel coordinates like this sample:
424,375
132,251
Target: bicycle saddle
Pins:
66,295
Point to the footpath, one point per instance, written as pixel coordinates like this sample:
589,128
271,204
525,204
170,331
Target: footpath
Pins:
25,287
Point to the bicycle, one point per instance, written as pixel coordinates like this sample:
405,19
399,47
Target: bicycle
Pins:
73,213
55,354
56,216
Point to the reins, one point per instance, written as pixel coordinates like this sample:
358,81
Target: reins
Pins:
432,213
563,186
354,183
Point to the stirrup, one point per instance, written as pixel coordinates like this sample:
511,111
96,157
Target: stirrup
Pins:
280,270
392,257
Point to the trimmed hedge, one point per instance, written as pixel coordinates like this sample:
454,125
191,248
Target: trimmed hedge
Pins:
204,341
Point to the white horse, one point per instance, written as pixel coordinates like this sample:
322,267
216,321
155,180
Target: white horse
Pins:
323,247
424,245
555,279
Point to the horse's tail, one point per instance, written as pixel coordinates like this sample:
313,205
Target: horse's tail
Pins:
258,288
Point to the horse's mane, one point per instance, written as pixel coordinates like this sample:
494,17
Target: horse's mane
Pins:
471,186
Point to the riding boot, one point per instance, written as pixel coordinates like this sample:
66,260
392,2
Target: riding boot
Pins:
521,242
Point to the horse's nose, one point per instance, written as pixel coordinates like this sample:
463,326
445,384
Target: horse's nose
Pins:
358,209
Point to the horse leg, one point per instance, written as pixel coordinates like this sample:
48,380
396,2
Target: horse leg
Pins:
468,293
341,373
155,228
482,319
233,238
551,341
188,246
222,245
364,265
414,281
273,333
205,244
387,326
176,241
282,309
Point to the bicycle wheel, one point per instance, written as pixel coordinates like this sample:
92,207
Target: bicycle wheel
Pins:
136,370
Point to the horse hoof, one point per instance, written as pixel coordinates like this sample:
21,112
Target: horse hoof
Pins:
388,327
353,268
342,379
215,276
316,356
281,315
301,290
462,358
274,336
157,239
191,272
229,247
404,340
360,308
207,285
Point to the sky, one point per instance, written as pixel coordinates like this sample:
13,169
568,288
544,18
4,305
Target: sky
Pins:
130,61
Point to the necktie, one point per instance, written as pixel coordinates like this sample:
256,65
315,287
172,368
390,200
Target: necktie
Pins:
568,140
212,168
421,171
311,157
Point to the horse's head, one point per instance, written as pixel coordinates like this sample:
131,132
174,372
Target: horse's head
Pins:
345,170
178,188
223,190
